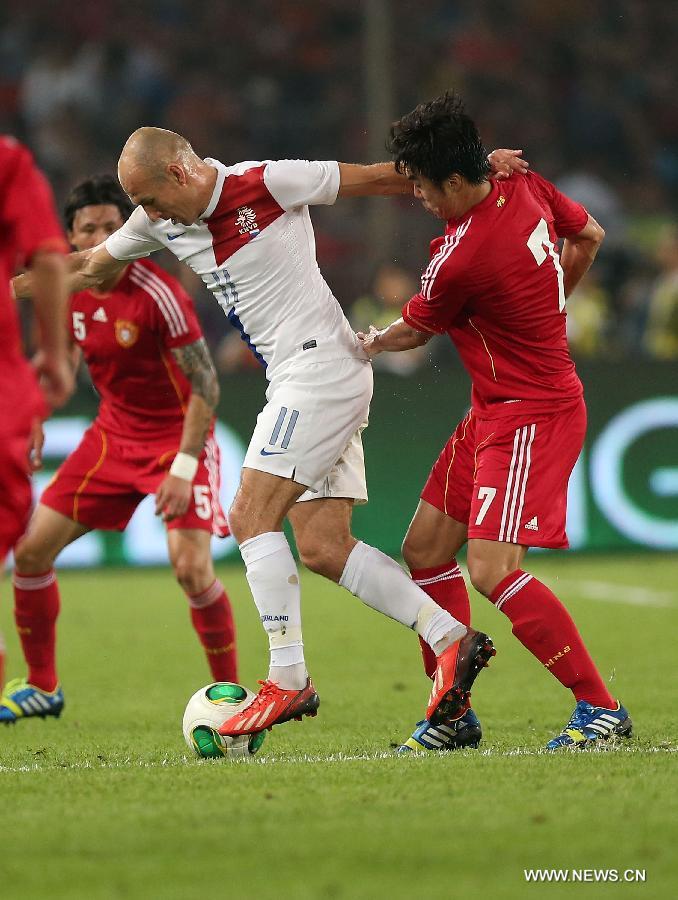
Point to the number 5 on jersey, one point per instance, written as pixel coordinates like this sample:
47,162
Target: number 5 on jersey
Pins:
79,331
203,501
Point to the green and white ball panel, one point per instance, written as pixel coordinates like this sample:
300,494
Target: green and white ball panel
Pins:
207,710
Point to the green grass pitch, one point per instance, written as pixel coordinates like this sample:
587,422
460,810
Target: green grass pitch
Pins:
107,803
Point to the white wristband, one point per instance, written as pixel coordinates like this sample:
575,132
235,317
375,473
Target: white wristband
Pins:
184,466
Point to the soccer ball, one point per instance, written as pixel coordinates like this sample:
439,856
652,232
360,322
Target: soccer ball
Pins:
207,710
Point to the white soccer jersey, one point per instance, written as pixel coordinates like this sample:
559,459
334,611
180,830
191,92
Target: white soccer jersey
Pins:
254,248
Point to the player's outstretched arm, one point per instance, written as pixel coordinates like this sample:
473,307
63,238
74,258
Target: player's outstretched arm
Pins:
89,268
395,337
381,179
174,493
578,253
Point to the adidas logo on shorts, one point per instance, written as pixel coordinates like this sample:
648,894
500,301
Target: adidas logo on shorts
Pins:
532,524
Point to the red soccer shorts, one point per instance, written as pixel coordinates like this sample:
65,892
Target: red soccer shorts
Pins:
105,478
507,478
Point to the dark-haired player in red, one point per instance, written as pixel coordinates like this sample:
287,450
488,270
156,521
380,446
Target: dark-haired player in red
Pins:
497,284
148,360
30,235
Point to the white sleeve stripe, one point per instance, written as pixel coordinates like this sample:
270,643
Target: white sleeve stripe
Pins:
167,291
443,254
451,243
171,303
164,304
428,274
160,302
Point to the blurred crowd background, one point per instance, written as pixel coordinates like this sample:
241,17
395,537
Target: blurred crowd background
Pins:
587,90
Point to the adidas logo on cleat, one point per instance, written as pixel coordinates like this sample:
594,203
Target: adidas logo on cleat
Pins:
532,525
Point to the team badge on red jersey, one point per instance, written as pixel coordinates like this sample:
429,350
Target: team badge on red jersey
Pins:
126,333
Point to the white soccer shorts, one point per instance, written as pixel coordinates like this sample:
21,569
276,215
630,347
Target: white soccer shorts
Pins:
310,428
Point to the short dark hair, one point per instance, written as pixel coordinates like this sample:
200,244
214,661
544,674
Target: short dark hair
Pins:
436,140
99,190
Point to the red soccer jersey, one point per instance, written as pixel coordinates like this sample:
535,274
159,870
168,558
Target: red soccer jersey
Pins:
28,224
495,285
126,337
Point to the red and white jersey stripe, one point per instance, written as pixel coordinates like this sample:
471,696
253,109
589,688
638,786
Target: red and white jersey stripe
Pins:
516,483
254,248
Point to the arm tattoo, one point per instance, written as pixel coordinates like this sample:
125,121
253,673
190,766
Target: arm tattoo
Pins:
196,363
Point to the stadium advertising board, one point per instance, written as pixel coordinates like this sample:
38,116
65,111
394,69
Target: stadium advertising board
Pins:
623,493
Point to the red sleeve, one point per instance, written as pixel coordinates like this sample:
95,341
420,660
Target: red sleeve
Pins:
438,302
174,311
569,217
29,206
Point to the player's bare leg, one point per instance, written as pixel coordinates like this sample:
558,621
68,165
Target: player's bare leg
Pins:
36,599
211,614
322,530
47,534
433,538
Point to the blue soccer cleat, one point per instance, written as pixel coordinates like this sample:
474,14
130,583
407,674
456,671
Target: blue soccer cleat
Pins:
450,735
20,700
589,725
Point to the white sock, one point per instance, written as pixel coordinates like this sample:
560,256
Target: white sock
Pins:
381,583
274,582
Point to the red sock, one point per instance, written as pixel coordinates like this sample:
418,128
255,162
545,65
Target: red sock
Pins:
543,625
212,618
445,584
36,607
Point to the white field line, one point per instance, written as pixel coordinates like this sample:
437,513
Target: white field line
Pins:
609,592
309,759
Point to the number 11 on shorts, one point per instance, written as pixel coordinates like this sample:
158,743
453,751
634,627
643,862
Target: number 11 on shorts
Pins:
487,495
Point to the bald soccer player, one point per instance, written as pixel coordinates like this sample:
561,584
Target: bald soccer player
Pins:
246,231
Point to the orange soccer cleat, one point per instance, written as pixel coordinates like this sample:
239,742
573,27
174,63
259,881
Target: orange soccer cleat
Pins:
457,669
273,705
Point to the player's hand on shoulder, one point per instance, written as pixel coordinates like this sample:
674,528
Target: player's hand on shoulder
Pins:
36,442
173,497
370,341
505,162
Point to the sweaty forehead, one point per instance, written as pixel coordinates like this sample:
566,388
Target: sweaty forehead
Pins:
136,180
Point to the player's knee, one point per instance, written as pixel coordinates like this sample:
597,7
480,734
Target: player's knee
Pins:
315,556
238,520
31,559
416,553
323,557
192,572
485,575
